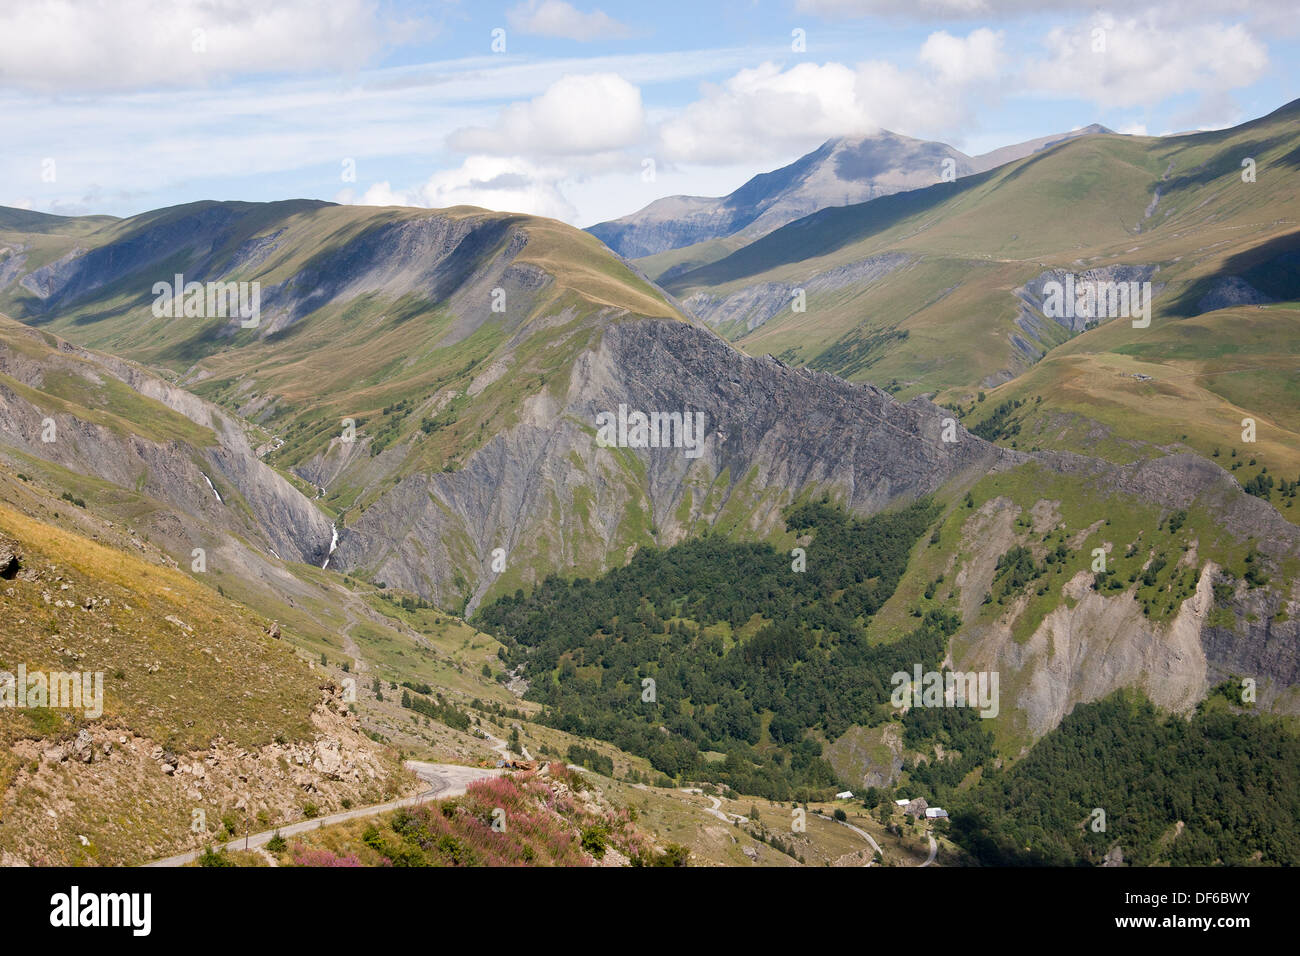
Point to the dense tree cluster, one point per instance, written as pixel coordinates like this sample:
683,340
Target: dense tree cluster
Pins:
591,758
998,425
1232,781
439,709
716,660
960,734
589,649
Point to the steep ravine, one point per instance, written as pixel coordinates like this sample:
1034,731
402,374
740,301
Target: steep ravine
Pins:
180,474
554,501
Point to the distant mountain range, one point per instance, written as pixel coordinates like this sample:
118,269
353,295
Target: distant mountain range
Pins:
840,172
940,287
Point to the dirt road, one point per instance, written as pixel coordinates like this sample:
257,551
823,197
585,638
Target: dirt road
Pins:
443,780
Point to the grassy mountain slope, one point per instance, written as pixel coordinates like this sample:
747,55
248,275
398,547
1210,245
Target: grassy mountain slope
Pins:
1176,203
779,686
195,693
128,469
367,313
840,171
1189,383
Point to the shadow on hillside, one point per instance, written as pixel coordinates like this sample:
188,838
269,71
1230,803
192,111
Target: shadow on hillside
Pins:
826,231
1272,267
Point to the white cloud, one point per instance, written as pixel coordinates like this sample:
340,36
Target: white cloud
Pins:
548,134
58,45
581,114
964,60
293,133
507,184
1142,61
989,9
935,9
555,18
768,111
763,110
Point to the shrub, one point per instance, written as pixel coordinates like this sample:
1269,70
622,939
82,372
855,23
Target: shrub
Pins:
595,839
592,759
211,857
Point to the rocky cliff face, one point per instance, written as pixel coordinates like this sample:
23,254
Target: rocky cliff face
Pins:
1033,314
219,482
1093,643
554,500
747,309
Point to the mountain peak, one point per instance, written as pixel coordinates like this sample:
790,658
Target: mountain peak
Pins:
841,171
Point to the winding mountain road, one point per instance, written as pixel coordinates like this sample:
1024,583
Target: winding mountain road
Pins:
934,848
860,832
716,810
444,780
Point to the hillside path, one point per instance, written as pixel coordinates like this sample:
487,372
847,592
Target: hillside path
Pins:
860,832
934,848
444,780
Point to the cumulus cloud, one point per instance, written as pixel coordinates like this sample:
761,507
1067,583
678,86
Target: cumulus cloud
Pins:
1141,61
578,114
1137,61
771,111
555,18
504,183
964,60
935,9
764,109
991,9
58,45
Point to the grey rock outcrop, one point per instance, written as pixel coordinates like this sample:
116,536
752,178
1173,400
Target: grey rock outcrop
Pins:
748,308
547,494
1032,296
188,477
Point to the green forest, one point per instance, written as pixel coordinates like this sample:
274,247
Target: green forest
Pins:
755,664
671,616
1231,779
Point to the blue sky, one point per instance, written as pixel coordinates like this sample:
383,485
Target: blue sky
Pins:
119,106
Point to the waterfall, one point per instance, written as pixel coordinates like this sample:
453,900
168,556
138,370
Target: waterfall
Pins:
213,487
333,544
